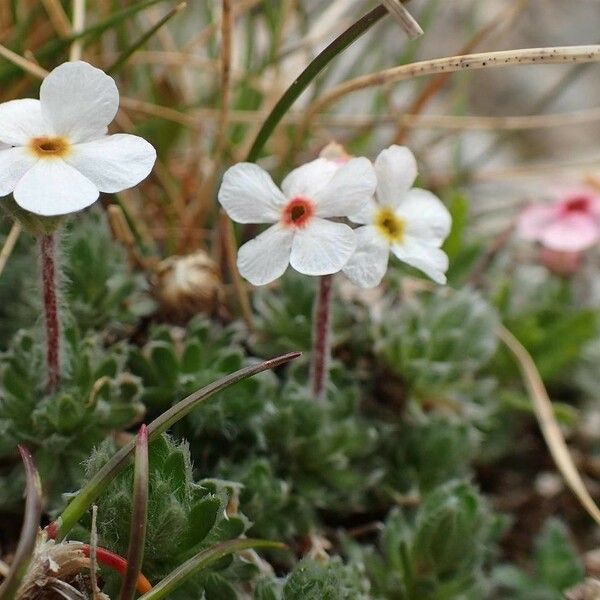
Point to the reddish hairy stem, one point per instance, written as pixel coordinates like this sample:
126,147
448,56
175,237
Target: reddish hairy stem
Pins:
48,252
319,368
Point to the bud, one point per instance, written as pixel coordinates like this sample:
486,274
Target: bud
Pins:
187,285
560,263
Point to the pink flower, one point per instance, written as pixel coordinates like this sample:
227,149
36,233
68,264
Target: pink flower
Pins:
571,224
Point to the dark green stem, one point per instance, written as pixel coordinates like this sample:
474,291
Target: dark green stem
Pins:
308,75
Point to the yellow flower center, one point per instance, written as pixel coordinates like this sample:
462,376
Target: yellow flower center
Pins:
49,147
390,225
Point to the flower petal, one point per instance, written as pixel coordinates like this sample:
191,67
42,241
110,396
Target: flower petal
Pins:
14,163
308,179
366,215
534,220
396,170
369,262
113,162
21,120
79,101
322,247
425,216
429,259
266,257
249,195
52,187
571,233
346,193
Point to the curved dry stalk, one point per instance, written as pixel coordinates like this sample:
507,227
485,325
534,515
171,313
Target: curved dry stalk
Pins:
500,22
139,517
548,423
452,64
29,531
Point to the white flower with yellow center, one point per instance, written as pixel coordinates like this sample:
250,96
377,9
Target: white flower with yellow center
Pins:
60,156
302,234
411,222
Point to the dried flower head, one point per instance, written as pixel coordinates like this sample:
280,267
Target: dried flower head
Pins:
187,285
56,571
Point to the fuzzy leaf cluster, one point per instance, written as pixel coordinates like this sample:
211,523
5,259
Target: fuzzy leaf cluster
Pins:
311,580
99,289
176,362
556,568
314,457
540,309
438,341
185,516
96,396
437,551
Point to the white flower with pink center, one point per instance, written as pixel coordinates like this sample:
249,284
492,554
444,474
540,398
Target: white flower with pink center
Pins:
301,233
410,222
570,224
56,156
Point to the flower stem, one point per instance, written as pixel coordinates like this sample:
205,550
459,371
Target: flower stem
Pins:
319,368
48,252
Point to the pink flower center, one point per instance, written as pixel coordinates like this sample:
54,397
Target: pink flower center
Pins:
298,212
578,204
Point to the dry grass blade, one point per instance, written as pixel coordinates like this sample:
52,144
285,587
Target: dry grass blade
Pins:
139,517
9,244
452,64
29,531
58,17
503,21
145,37
406,20
547,421
230,248
27,65
78,24
93,553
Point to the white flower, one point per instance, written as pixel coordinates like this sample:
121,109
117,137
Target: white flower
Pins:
301,235
412,223
61,156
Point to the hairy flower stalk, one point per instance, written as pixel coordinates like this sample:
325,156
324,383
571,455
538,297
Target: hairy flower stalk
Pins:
321,351
50,297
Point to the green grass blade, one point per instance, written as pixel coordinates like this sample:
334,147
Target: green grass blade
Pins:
86,496
308,75
201,561
144,38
